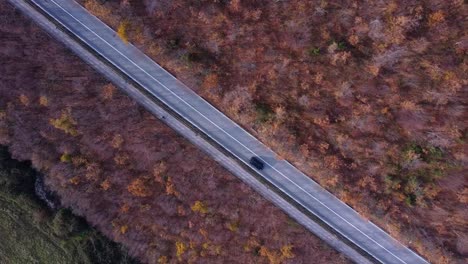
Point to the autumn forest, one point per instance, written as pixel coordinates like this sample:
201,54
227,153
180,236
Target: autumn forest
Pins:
368,98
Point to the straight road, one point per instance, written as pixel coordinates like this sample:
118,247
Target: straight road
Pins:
203,117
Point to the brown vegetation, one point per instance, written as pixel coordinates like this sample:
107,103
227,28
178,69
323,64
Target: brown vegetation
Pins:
127,173
367,97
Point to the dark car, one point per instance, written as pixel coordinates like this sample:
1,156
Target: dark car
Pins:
257,163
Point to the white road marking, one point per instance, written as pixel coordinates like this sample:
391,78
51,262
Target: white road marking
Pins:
252,152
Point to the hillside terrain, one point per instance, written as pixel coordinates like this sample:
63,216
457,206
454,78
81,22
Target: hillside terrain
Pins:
32,233
124,171
367,97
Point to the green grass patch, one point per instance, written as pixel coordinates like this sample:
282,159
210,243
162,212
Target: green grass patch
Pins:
31,233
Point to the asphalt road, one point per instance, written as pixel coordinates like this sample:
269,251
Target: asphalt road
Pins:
240,144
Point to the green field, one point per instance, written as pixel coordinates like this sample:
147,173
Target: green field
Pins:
31,233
